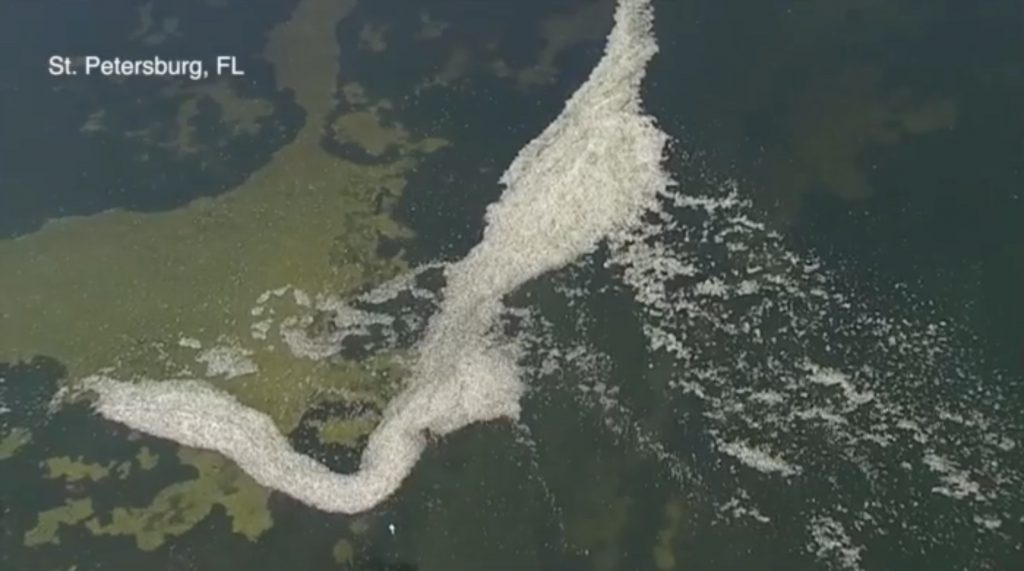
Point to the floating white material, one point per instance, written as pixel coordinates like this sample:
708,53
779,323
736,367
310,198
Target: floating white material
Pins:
591,172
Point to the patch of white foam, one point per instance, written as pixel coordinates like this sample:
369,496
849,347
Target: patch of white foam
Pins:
831,542
738,507
227,361
759,459
346,320
260,329
190,343
829,377
591,173
956,482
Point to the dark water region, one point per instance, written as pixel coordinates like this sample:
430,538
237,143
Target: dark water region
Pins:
476,498
338,457
886,135
81,145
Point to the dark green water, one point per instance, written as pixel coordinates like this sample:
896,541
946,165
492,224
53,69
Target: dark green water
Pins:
50,167
885,138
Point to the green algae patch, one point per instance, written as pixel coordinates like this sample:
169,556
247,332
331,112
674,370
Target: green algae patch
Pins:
664,550
346,431
597,513
179,507
196,270
123,470
147,459
561,32
365,129
49,522
359,526
343,552
74,470
599,530
238,116
430,28
833,122
13,441
242,115
150,32
373,38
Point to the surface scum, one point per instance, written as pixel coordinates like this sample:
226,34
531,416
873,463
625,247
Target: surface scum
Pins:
592,172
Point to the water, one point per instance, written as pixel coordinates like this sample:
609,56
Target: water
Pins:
134,157
617,460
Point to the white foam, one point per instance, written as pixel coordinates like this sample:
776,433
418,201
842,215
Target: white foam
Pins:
759,458
796,375
228,361
832,542
956,482
190,343
829,377
591,172
194,414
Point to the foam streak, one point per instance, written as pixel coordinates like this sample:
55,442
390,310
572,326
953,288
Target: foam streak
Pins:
591,173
